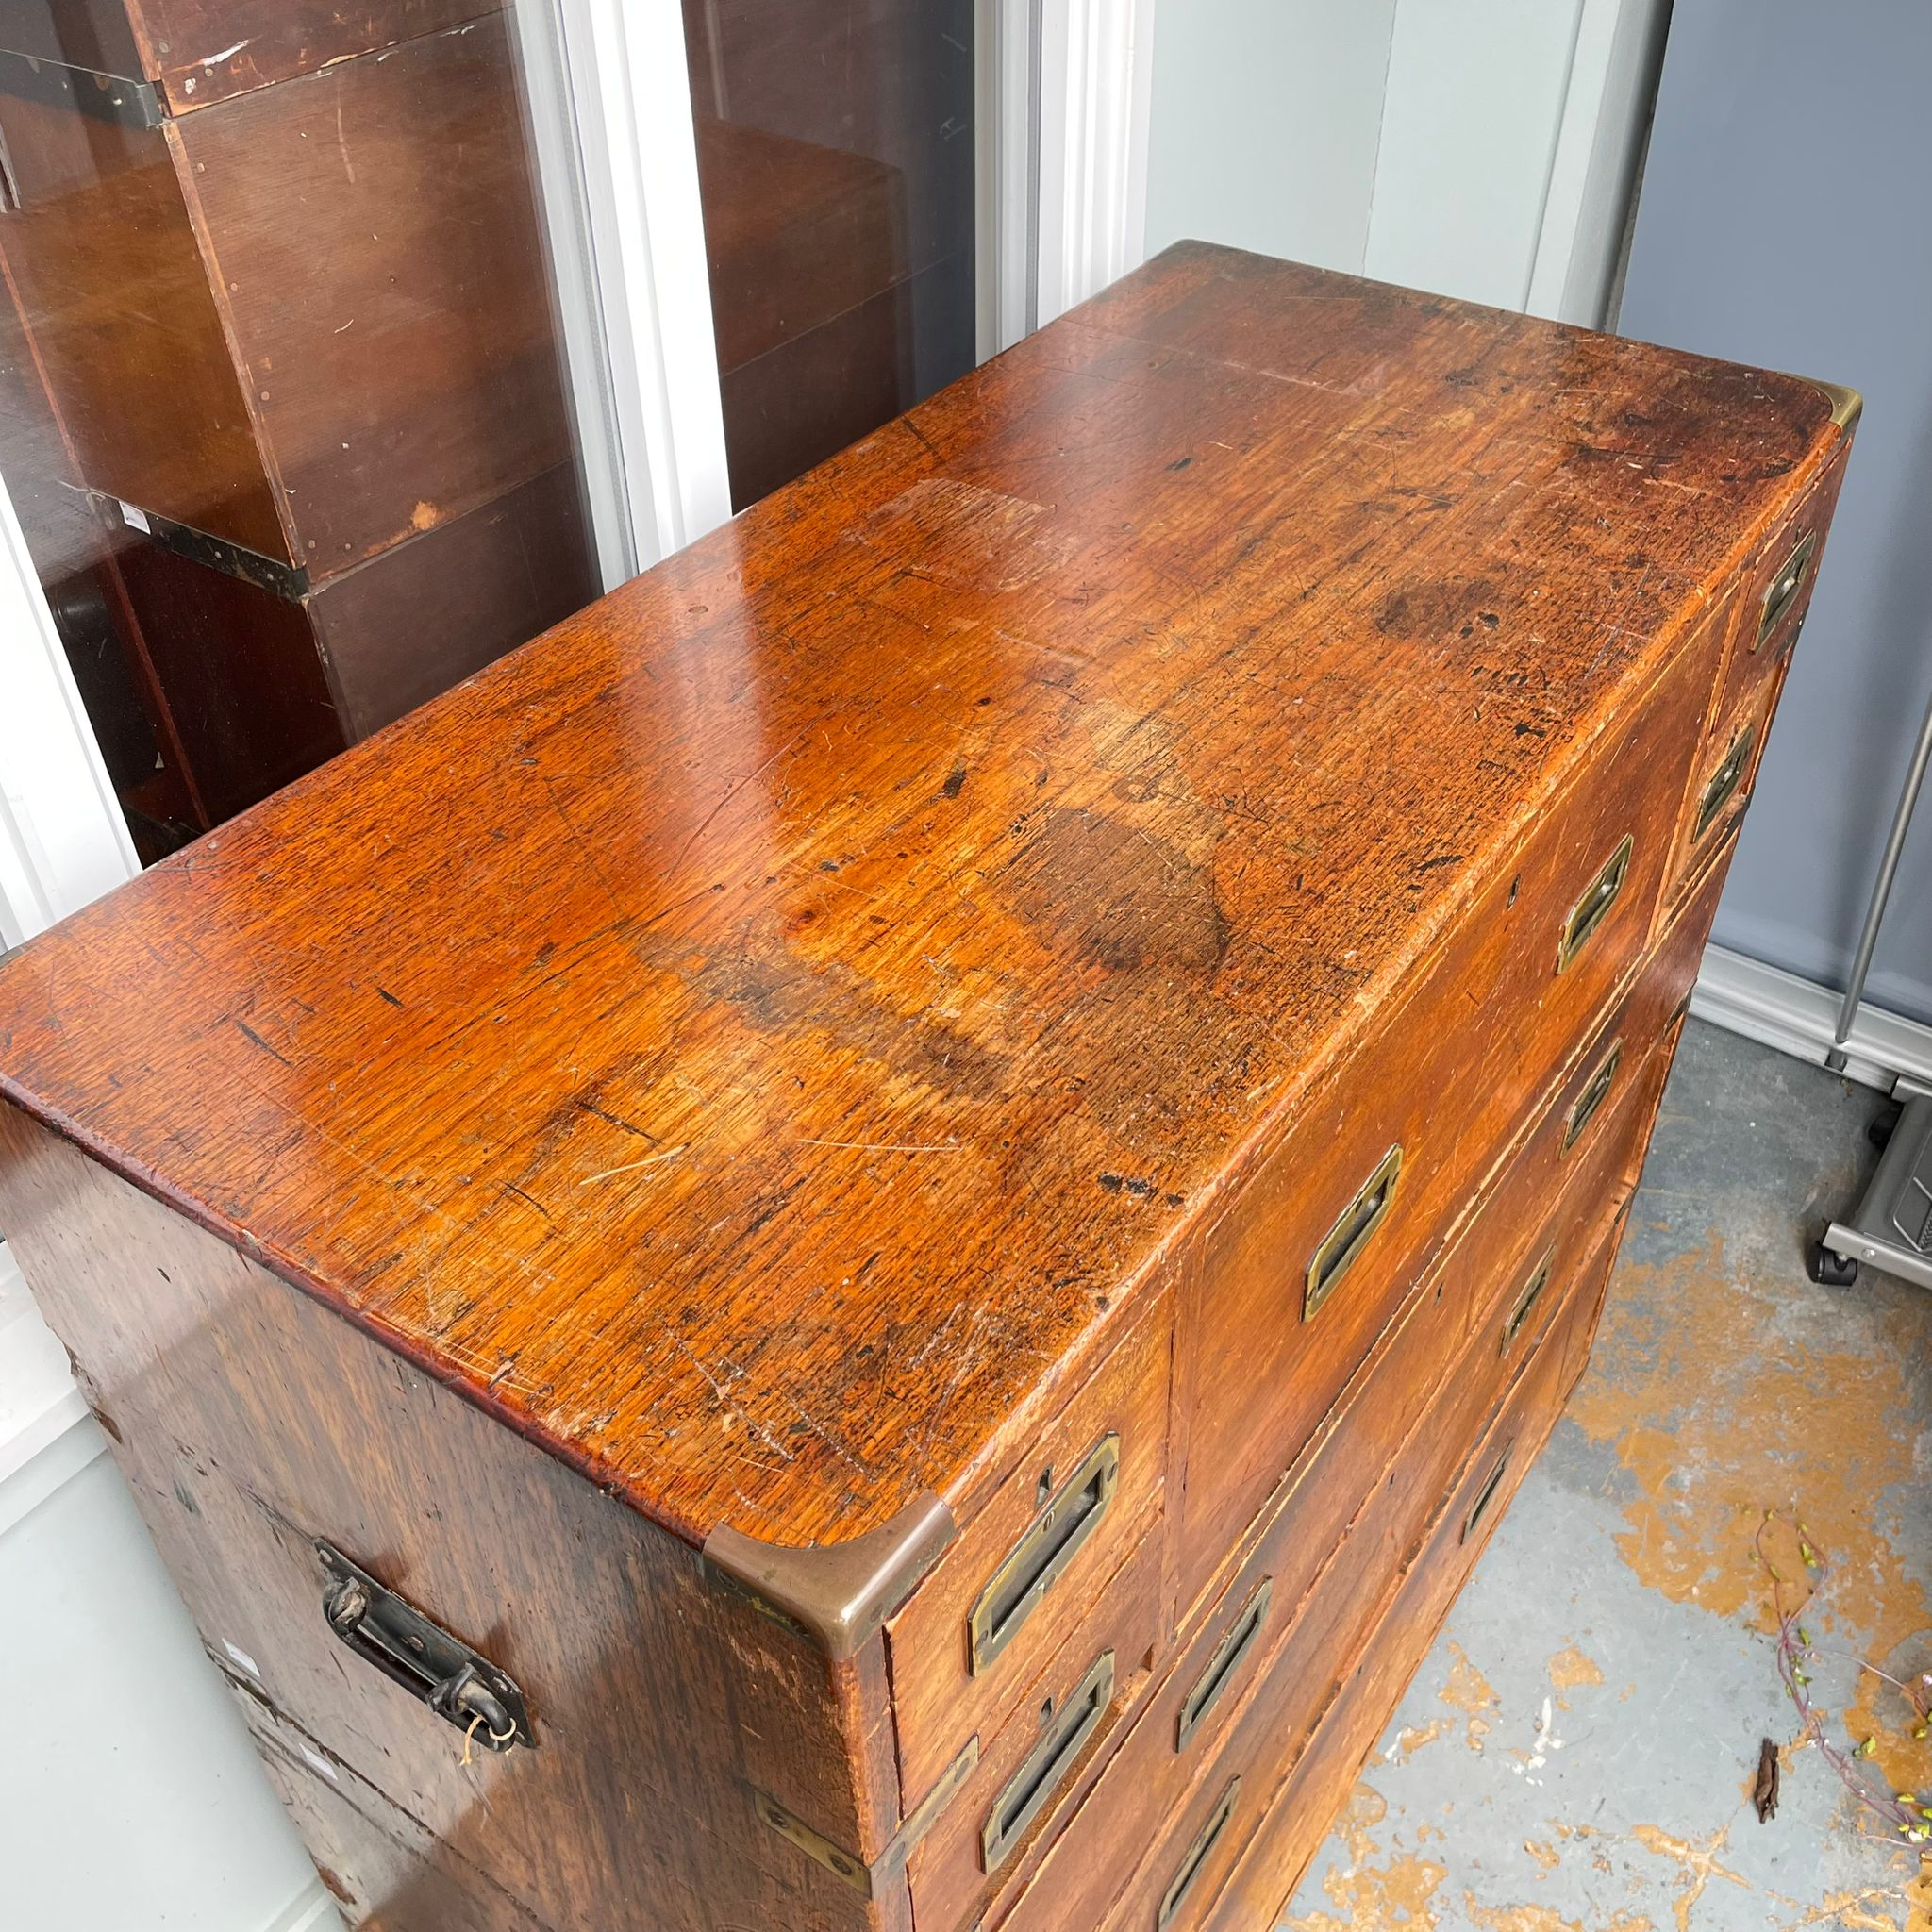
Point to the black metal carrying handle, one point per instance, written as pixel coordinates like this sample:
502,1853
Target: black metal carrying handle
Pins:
461,1686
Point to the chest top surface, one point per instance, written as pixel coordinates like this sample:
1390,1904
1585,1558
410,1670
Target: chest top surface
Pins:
751,1035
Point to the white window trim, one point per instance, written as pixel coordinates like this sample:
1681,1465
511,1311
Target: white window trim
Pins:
1096,84
1007,115
1600,139
607,81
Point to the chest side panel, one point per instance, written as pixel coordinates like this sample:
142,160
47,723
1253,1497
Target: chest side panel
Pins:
251,1423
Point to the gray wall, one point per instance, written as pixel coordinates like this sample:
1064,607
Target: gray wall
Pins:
1784,221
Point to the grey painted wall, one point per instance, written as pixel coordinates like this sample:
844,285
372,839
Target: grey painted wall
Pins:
1784,221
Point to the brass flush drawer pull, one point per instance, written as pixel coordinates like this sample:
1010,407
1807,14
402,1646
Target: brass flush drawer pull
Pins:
1485,1497
1526,1300
1593,1097
1594,907
1724,781
1225,1666
1036,1562
1786,586
1341,1246
1175,1896
461,1687
1033,1787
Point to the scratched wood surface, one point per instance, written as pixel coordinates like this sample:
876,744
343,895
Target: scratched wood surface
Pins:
748,1038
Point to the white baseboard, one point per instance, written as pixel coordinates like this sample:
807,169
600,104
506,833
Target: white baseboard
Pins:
312,1910
1798,1017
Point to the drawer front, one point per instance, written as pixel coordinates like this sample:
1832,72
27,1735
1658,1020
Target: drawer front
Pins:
1033,1773
1761,624
1336,1623
1588,1142
1720,792
1314,1257
1297,1816
1250,1686
1777,595
1029,1567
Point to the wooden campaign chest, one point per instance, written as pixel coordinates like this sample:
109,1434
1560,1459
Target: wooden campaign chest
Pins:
866,1242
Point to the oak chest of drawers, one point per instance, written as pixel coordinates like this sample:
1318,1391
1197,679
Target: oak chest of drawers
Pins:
866,1242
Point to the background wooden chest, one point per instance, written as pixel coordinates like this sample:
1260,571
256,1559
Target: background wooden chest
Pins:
867,1241
279,386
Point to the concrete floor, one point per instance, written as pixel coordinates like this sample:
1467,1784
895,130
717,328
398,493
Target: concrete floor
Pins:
1577,1752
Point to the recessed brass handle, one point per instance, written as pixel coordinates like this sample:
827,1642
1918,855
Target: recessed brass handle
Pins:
1196,1858
1486,1495
1036,1561
1784,587
1593,1095
1526,1300
1724,781
1341,1246
1590,911
1034,1786
1225,1666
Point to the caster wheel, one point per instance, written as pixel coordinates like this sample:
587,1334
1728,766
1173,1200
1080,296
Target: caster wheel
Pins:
1830,1269
1884,1125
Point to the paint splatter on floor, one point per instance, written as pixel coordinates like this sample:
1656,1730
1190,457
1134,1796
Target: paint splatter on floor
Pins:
1578,1752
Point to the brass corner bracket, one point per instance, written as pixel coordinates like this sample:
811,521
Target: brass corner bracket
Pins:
1848,405
838,1594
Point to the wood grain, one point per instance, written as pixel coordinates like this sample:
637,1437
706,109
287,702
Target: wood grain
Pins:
1448,1096
794,1005
940,1700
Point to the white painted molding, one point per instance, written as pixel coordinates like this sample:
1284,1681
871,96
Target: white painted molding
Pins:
1006,113
625,71
1607,106
550,115
39,1403
62,838
312,1910
1798,1017
1095,78
53,1463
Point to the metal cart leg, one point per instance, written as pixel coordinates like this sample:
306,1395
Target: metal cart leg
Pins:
1892,1227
